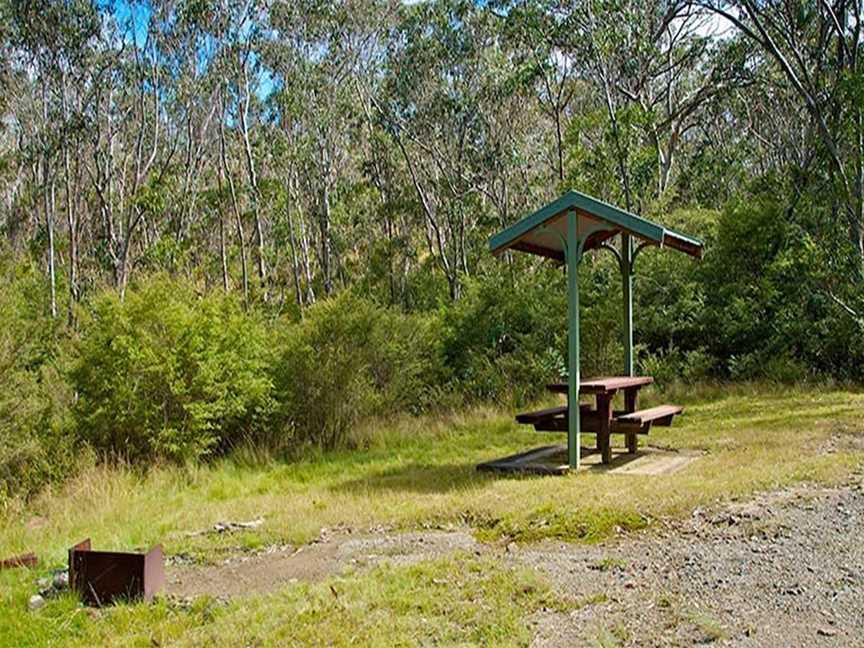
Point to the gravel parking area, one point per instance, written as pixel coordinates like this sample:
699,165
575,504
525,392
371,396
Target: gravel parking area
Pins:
786,569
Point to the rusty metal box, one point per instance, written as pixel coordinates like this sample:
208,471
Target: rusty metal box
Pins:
105,577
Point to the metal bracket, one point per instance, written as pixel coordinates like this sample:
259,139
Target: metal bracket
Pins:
616,253
549,231
636,251
583,236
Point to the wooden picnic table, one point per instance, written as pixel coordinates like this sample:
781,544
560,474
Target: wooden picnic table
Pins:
600,419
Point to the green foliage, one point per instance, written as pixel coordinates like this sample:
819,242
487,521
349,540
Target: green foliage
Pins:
506,337
669,306
34,446
549,521
349,359
671,364
374,149
768,308
169,373
179,374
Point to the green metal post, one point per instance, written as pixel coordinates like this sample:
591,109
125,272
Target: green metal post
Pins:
573,253
627,278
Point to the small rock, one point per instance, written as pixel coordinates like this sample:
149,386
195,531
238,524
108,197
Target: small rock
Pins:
36,602
222,527
61,580
826,632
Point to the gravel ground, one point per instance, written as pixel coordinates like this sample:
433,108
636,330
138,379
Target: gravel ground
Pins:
786,569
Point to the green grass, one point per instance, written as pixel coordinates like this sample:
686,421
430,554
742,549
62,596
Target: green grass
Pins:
455,600
412,473
708,627
610,564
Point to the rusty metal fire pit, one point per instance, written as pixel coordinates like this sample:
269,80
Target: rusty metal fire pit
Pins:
105,577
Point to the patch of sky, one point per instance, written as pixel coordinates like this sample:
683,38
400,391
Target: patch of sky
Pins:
132,18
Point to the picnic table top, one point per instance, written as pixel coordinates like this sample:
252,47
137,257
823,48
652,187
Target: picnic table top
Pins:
603,384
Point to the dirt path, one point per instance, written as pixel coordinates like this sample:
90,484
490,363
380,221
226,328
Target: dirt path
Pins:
272,569
786,569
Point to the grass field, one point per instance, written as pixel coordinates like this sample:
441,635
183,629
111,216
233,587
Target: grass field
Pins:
413,473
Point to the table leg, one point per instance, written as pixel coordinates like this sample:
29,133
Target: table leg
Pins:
631,396
604,411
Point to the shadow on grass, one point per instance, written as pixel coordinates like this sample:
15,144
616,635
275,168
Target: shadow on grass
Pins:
422,478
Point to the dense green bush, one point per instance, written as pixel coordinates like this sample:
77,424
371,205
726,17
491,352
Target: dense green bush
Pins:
348,359
170,373
669,296
670,365
35,445
506,337
768,311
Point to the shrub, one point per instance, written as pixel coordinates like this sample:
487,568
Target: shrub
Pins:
349,359
34,444
169,373
671,365
35,447
507,336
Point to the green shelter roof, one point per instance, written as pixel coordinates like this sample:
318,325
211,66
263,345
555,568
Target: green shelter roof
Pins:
545,231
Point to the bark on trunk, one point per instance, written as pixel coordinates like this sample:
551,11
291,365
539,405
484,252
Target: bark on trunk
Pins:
253,181
71,220
241,237
292,241
48,200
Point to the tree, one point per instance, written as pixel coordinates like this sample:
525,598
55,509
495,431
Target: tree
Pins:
818,48
54,38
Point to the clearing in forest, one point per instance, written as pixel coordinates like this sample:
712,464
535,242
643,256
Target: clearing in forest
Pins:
405,542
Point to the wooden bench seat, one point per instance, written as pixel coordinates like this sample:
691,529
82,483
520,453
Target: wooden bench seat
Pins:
661,415
590,424
534,417
630,424
640,421
530,418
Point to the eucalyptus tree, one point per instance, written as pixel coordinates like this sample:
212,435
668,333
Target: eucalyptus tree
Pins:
655,73
818,48
50,40
439,92
245,26
319,51
188,54
133,142
539,38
